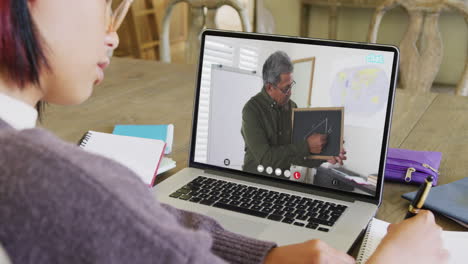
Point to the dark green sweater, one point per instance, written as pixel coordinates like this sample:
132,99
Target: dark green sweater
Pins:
267,131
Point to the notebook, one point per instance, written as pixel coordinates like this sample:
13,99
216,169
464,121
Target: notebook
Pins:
455,242
141,155
166,164
161,132
450,200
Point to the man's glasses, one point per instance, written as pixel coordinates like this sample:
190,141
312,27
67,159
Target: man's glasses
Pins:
288,88
115,17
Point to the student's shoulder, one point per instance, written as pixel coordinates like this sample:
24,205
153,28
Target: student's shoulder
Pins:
31,141
34,149
32,157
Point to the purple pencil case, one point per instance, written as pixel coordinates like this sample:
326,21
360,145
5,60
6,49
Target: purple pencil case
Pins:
411,166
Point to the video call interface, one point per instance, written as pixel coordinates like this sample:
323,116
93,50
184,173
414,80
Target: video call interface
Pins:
298,112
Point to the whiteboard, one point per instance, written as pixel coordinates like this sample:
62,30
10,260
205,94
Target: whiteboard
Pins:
230,90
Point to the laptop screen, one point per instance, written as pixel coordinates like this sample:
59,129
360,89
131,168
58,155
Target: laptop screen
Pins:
311,111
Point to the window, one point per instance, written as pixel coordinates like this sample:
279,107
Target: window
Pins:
248,58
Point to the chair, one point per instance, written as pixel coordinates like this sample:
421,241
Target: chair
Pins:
145,13
199,20
265,22
419,66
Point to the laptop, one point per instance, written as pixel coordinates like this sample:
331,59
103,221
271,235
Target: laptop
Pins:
244,169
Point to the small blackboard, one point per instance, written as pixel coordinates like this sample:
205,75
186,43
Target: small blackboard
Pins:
321,120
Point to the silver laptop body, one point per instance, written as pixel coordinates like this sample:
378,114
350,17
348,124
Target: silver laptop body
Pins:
372,66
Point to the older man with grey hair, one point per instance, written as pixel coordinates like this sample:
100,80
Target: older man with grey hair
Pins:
267,123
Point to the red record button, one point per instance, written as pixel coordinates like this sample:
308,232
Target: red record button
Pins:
297,175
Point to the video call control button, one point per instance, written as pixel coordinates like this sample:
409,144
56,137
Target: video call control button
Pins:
297,175
278,172
287,173
269,170
260,168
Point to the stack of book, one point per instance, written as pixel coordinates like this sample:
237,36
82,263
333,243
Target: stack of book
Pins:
157,132
140,148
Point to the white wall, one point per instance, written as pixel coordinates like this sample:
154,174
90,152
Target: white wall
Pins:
328,63
363,131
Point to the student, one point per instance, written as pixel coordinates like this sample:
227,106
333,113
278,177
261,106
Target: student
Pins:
59,204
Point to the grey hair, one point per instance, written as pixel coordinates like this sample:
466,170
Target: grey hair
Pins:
276,64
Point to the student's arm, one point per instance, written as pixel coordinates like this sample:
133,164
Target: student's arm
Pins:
235,248
312,251
229,246
60,204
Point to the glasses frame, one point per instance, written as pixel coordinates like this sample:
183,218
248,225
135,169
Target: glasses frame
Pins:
116,17
289,87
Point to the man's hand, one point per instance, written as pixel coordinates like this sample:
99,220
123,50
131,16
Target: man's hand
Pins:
316,143
415,240
338,159
313,252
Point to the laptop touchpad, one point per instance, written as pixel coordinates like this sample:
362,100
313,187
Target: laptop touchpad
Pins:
237,224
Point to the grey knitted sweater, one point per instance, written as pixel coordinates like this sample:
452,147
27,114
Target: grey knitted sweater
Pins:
60,204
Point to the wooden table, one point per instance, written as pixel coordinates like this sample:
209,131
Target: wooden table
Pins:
148,92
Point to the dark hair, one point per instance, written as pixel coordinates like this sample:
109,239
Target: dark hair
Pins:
276,64
22,56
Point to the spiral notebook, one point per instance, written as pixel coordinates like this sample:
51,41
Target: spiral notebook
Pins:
455,242
141,155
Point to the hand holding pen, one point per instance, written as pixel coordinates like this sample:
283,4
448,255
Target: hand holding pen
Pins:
420,197
417,240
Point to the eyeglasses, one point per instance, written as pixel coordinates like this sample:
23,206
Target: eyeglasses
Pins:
115,17
288,88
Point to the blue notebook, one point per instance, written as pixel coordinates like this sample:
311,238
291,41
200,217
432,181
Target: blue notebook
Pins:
450,200
160,132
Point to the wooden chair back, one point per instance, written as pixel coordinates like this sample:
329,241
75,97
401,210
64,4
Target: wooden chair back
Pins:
199,20
421,47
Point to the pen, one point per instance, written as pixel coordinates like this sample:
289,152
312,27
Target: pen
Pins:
420,197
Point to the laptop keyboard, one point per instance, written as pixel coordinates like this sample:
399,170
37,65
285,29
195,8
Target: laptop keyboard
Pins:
272,205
